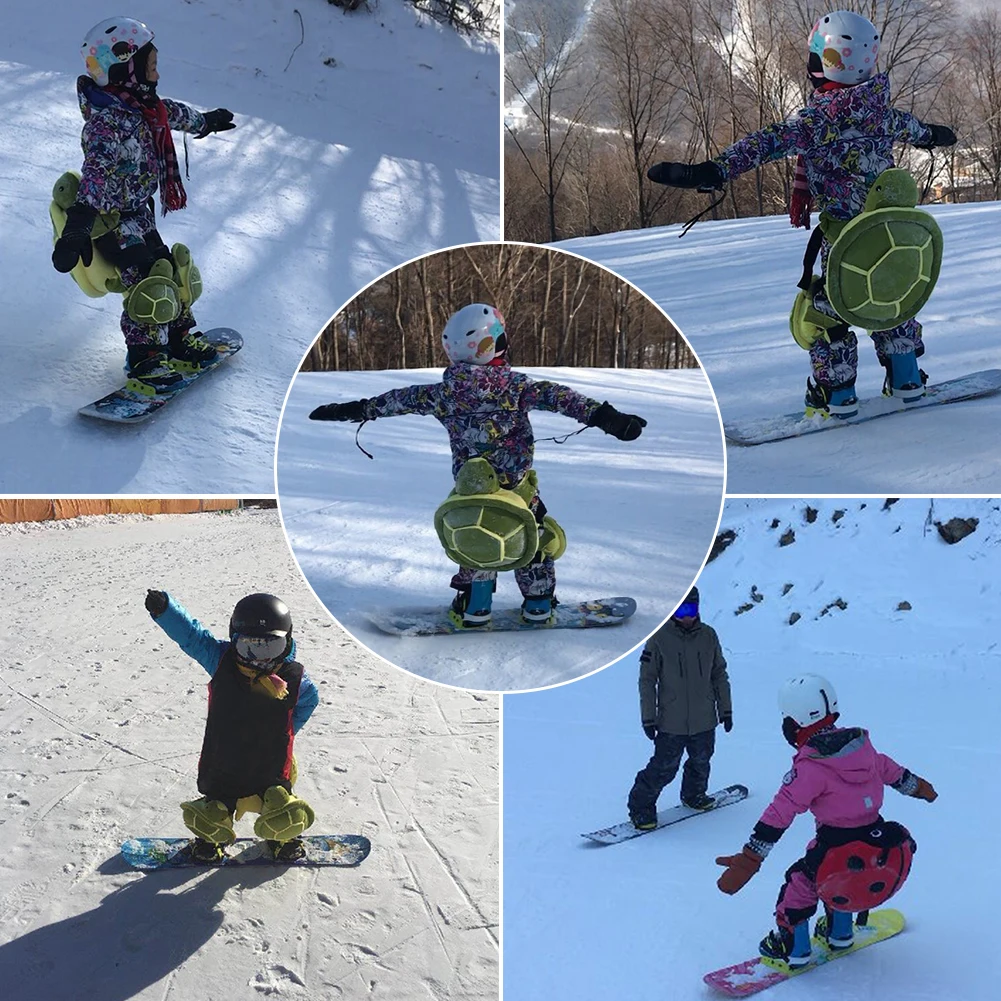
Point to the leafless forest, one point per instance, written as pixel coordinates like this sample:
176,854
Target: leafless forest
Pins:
559,310
592,105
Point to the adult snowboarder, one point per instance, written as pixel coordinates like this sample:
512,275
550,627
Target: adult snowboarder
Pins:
483,404
128,155
843,140
684,694
259,698
857,860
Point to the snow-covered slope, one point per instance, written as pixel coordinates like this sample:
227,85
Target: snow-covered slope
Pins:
101,720
639,516
374,141
645,918
730,286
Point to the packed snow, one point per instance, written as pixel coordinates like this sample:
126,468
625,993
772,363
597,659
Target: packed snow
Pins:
101,720
640,517
730,286
644,917
373,141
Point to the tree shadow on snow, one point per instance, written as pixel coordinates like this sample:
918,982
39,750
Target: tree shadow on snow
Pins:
138,934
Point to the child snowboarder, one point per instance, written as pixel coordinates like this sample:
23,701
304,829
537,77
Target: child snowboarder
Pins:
129,154
857,860
259,698
483,404
843,140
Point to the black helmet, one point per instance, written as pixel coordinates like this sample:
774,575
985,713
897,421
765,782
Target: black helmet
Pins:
260,615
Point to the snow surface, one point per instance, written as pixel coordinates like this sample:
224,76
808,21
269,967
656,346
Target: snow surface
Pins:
640,517
730,286
101,720
335,174
644,917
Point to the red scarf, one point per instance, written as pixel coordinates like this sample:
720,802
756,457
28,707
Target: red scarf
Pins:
172,193
801,203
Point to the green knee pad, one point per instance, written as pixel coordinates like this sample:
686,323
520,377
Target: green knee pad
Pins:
209,820
806,324
284,816
187,277
99,277
156,299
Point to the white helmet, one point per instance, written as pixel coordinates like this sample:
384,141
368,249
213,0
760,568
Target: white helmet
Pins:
807,699
113,41
843,47
475,335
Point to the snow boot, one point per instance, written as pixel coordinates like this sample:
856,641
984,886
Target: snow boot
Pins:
904,380
471,605
188,351
837,401
644,820
836,929
538,609
206,852
789,947
699,802
287,851
150,371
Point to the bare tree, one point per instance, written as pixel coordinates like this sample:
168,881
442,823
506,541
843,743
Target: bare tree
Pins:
549,80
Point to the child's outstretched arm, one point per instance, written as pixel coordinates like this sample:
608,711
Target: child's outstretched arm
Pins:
905,128
904,781
187,632
309,699
560,399
422,399
774,142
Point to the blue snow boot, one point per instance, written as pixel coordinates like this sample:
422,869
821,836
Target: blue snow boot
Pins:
538,609
471,606
791,948
837,401
836,928
904,380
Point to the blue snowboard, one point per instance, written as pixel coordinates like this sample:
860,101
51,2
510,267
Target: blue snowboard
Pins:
166,853
126,407
436,621
760,430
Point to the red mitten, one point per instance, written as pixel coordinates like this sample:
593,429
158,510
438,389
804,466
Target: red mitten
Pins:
739,869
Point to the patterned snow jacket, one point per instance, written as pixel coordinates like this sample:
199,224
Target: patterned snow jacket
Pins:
120,166
485,409
846,140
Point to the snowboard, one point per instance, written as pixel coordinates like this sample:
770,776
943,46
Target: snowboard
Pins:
321,849
623,832
126,407
436,621
759,430
756,974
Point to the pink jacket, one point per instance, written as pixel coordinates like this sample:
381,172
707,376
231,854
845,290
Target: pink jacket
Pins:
839,777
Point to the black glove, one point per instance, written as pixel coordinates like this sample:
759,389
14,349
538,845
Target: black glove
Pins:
219,120
941,135
708,175
650,729
625,427
156,602
727,722
74,244
353,411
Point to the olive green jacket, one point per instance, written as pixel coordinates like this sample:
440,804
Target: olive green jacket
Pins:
684,688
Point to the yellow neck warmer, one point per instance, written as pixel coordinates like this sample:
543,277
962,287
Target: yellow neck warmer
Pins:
274,686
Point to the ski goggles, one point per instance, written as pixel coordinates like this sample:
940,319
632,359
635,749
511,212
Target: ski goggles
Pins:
687,610
259,649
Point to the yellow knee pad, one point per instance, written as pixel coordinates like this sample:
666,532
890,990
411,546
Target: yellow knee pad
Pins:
210,820
187,277
284,816
156,299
